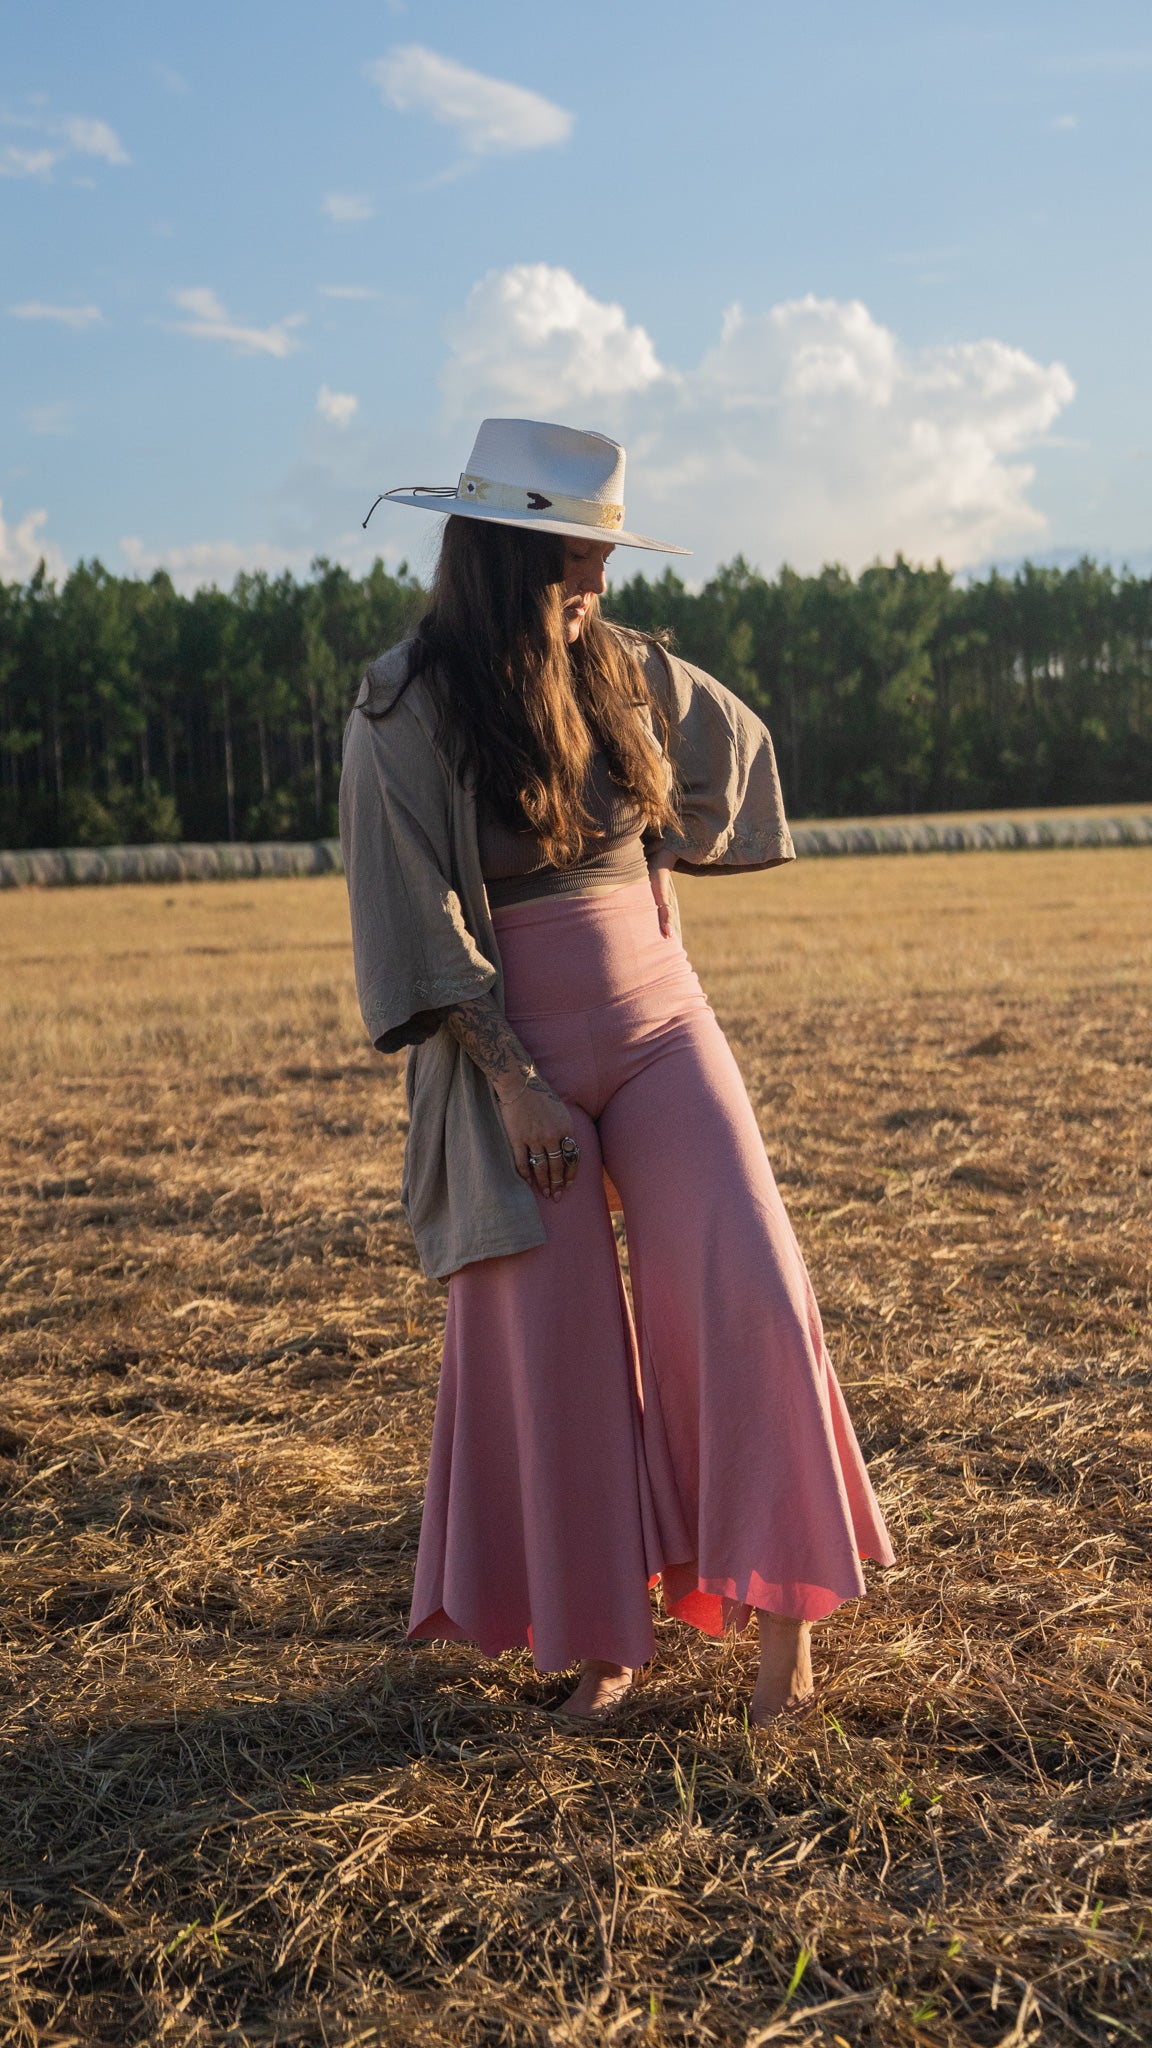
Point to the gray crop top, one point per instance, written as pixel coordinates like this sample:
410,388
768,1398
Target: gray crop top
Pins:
513,863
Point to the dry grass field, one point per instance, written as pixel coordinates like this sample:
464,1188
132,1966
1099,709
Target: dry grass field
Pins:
238,1809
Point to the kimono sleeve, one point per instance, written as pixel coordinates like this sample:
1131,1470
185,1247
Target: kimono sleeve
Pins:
730,801
414,955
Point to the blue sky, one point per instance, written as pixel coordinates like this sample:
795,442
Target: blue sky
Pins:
843,279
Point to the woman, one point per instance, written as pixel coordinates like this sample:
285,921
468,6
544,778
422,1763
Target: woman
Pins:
520,782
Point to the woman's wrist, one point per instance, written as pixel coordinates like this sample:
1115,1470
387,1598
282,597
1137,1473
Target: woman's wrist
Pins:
510,1088
489,1040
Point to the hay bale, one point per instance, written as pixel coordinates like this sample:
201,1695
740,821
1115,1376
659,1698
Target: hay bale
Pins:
232,860
922,835
86,866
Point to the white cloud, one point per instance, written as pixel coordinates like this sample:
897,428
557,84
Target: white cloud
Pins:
347,291
532,337
806,434
819,433
27,163
196,565
94,138
1103,60
212,322
490,117
61,136
347,208
339,408
219,562
22,548
55,418
78,317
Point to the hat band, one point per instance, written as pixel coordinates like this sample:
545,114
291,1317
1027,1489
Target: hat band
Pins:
480,490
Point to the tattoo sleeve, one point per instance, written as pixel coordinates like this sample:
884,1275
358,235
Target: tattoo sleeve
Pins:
489,1040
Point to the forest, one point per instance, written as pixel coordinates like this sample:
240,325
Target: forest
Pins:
130,713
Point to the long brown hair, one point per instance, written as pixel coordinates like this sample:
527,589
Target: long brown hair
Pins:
522,707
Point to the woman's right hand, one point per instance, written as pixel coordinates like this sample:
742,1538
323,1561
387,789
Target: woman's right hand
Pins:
537,1123
660,880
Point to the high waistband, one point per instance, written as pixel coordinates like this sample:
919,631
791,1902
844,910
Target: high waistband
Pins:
597,904
564,953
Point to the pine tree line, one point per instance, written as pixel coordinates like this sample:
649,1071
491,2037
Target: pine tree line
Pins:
904,689
130,713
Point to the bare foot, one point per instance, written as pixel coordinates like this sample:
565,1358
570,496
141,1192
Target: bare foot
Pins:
599,1693
784,1683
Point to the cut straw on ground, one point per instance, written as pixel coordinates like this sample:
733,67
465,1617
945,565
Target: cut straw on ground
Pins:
238,1808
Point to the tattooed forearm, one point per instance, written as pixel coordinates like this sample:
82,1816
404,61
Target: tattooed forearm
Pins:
489,1039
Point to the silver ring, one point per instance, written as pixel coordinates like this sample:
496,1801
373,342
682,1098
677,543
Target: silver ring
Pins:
536,1158
555,1155
569,1150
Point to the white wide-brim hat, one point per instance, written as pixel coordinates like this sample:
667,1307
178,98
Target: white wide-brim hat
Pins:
548,478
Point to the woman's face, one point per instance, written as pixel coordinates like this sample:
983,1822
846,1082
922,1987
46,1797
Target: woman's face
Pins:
583,580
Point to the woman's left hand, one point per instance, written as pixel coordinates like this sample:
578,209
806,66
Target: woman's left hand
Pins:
660,877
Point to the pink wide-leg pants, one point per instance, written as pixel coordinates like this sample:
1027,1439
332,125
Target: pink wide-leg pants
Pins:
575,1457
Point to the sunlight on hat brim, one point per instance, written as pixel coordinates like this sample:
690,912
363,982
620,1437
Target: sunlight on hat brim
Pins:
459,509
